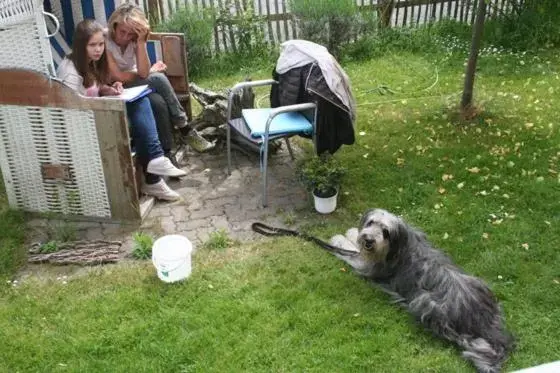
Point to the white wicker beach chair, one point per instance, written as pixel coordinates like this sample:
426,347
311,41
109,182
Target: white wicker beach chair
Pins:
24,42
59,152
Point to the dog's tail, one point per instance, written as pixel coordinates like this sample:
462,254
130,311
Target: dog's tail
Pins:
487,356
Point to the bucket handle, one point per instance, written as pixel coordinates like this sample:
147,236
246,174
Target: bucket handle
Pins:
169,270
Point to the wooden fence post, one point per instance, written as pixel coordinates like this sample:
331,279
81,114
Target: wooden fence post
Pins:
153,12
385,12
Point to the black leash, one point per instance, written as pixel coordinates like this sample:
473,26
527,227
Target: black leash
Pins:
267,230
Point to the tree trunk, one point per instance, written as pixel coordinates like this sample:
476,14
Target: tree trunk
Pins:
478,27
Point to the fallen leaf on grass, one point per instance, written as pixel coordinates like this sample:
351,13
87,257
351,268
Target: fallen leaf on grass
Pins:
525,246
474,170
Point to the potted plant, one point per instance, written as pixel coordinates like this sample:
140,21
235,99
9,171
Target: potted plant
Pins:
322,176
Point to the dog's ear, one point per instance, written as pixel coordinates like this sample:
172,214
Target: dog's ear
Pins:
400,234
386,235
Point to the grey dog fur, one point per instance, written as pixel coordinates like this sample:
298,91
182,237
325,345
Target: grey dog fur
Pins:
442,297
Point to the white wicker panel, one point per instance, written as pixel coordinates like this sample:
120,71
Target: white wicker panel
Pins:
16,11
31,136
23,37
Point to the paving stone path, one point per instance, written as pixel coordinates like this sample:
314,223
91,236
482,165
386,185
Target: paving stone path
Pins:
212,200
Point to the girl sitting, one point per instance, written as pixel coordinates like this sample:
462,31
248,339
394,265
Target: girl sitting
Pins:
86,71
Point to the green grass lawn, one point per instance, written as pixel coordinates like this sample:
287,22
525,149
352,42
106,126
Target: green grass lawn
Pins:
486,192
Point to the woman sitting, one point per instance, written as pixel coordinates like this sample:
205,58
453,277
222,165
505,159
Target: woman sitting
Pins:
128,31
86,71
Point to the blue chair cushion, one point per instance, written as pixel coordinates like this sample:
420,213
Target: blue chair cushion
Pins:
284,123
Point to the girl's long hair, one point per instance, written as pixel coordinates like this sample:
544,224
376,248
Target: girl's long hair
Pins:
91,71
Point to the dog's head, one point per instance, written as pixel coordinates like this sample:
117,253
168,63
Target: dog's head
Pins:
379,231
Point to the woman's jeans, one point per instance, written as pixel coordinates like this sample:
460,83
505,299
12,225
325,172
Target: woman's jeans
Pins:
144,134
159,83
163,121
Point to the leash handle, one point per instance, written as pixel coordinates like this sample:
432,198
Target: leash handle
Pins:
267,230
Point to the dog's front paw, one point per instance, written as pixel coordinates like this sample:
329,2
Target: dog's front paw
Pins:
352,236
342,242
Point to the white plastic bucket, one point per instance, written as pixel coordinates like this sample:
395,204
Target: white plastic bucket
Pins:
171,255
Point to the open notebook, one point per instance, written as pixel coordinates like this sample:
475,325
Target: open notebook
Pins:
132,94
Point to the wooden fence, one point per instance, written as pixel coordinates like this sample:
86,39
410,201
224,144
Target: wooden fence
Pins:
280,25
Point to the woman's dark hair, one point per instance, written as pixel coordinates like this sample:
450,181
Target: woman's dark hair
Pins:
91,71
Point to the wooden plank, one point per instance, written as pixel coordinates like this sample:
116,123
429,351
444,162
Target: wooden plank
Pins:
441,6
216,37
30,88
405,16
285,21
456,10
434,12
269,24
171,55
231,31
277,11
502,6
397,7
114,145
224,28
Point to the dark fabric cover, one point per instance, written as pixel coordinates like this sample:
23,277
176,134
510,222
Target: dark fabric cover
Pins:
306,84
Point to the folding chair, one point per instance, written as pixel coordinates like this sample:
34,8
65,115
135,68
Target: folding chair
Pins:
260,126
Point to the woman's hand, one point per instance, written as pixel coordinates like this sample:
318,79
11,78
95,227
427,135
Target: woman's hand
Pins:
107,90
159,66
118,86
142,32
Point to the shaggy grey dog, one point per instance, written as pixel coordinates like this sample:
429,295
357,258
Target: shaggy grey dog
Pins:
441,296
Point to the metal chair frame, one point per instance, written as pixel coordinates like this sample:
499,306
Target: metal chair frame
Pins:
267,137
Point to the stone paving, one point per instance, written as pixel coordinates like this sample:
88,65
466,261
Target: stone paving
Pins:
212,200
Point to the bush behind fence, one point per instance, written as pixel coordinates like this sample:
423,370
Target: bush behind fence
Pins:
278,24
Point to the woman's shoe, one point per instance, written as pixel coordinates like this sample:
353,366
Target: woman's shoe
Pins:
198,143
161,190
162,166
195,139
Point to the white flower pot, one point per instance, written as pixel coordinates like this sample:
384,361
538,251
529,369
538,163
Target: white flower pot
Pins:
325,205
